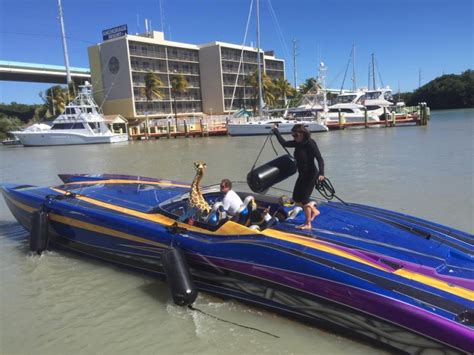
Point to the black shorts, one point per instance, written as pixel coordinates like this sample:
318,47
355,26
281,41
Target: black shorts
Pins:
304,187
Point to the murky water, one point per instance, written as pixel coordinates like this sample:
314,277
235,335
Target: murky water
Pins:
59,303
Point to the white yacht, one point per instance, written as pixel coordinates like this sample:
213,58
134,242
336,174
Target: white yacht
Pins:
376,100
82,122
264,126
350,106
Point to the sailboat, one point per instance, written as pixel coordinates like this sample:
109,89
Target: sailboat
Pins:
262,125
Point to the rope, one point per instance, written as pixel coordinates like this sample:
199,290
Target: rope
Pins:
378,71
233,323
345,73
274,146
263,146
326,189
279,31
261,150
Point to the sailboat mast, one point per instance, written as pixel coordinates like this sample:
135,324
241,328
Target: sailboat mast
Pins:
63,37
373,69
295,77
354,85
259,69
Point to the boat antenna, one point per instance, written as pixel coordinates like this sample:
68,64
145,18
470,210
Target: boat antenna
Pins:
63,37
162,17
259,68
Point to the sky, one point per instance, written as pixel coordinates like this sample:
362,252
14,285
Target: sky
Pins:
413,40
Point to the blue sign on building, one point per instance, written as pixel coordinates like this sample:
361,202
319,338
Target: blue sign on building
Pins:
114,32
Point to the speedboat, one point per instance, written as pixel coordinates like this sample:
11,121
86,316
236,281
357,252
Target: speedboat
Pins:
254,127
394,280
82,122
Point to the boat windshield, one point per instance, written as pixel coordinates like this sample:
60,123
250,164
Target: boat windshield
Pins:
373,95
345,99
388,96
68,126
344,110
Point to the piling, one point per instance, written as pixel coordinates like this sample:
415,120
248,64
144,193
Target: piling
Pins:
366,117
340,116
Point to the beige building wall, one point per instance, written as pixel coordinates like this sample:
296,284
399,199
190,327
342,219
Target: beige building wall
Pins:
113,78
96,76
118,68
211,80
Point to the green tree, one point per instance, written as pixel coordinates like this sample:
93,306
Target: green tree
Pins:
21,111
446,92
7,124
55,99
282,89
179,85
310,85
151,91
267,86
71,90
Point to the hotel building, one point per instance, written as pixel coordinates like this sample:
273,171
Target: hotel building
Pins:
118,68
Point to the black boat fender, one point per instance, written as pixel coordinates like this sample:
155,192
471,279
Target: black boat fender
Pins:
179,278
39,238
271,173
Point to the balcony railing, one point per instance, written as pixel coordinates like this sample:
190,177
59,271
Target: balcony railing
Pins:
184,58
146,53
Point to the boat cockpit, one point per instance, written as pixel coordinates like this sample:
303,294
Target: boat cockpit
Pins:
257,212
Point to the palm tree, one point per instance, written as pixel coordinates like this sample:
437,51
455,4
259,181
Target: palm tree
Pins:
72,90
54,99
282,89
310,85
267,84
179,85
152,90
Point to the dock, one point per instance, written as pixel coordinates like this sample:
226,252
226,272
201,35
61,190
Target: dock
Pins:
416,115
174,128
191,127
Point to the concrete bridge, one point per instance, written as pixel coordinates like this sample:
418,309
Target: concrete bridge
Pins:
41,73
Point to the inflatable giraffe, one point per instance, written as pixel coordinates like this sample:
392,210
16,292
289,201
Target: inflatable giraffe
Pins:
196,201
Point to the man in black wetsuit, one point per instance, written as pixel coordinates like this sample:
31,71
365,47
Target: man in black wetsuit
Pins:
306,150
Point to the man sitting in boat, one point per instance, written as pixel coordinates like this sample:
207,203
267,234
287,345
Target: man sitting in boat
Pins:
231,201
